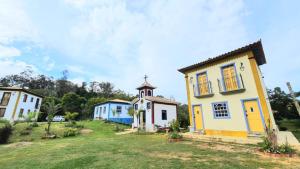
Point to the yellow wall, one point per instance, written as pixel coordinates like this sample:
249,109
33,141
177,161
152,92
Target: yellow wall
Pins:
237,122
262,94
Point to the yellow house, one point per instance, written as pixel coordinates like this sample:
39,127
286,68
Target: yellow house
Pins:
227,96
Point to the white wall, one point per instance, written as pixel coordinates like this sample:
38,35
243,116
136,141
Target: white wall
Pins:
28,105
171,114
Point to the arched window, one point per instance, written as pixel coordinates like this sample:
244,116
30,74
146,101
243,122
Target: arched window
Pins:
149,93
142,93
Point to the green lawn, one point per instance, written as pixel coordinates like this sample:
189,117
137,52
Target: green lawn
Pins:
104,149
292,125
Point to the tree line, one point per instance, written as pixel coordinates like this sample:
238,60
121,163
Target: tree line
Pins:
73,97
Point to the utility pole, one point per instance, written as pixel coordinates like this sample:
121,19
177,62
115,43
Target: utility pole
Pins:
294,97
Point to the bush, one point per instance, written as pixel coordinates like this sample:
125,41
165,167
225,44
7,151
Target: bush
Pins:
25,132
71,132
29,128
174,126
34,124
79,126
118,128
74,125
286,149
175,135
270,145
5,133
69,125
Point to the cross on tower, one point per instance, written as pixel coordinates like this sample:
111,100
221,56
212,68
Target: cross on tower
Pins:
145,77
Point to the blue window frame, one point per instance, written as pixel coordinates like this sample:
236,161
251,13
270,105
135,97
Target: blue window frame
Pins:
233,79
136,106
119,109
221,110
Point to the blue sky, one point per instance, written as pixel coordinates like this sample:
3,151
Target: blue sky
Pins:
120,41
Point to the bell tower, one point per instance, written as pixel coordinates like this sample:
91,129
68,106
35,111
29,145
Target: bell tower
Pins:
146,89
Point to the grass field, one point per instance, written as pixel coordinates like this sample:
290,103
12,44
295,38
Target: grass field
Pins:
104,149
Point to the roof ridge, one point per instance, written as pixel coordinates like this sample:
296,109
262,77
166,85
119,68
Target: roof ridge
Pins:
256,47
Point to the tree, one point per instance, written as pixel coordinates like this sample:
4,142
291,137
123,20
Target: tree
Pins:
88,110
51,109
71,116
131,111
282,104
72,102
30,117
183,115
43,112
106,89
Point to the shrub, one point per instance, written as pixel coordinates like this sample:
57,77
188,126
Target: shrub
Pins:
3,121
29,128
175,135
34,124
71,132
5,133
174,126
286,149
80,126
69,125
118,128
25,132
270,145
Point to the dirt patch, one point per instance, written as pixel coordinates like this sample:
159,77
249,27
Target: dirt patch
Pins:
18,144
86,131
181,156
224,147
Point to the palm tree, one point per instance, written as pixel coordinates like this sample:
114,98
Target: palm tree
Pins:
51,109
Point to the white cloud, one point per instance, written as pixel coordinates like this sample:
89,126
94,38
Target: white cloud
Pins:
15,23
49,63
123,43
77,80
120,41
6,52
75,69
9,67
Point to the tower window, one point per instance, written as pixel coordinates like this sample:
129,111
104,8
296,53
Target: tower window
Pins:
149,93
142,93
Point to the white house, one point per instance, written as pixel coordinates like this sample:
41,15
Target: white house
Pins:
17,102
113,110
153,111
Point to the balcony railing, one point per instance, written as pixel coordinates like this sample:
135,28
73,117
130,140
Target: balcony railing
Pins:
232,84
203,89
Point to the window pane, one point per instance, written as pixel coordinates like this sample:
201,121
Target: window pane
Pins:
164,115
5,99
220,110
2,112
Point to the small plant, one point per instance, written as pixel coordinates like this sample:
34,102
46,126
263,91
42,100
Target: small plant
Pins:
71,116
286,148
79,126
5,132
71,132
25,132
118,128
175,135
51,109
270,144
174,126
34,124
